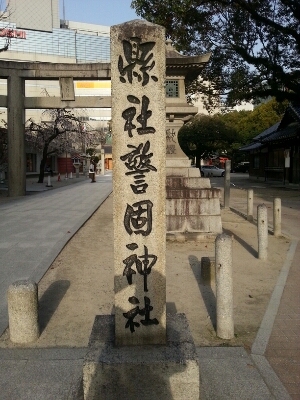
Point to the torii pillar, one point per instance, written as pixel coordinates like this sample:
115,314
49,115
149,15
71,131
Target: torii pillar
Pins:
16,135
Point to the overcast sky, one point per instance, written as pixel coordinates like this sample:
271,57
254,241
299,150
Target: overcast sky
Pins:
101,12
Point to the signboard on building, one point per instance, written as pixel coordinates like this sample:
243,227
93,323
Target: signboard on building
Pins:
12,33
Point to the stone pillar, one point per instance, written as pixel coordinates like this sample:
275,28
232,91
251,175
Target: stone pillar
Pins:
227,183
139,142
277,216
224,287
22,299
102,162
262,231
138,360
16,136
250,204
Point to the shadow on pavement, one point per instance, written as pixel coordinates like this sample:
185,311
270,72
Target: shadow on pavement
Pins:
206,291
50,300
242,242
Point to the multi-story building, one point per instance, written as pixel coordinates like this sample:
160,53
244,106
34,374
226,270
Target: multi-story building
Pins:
34,32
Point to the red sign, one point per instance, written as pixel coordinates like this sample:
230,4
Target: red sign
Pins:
12,33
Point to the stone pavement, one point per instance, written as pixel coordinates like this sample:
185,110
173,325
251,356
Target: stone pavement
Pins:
283,348
36,228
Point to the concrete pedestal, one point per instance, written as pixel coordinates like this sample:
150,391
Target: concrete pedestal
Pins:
147,372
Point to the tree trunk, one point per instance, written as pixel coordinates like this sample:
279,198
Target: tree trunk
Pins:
43,163
42,171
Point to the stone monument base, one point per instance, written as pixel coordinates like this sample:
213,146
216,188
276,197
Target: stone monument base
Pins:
147,372
192,208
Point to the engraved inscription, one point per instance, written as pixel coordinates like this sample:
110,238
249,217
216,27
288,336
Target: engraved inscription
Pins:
142,118
131,314
143,267
138,218
171,149
138,162
138,61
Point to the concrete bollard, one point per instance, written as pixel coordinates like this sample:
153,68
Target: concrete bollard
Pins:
262,231
22,299
49,182
277,216
208,270
227,183
250,205
224,287
102,162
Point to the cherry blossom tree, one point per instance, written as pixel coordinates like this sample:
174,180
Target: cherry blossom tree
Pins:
59,131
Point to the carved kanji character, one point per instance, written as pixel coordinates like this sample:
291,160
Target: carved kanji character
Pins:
135,222
139,61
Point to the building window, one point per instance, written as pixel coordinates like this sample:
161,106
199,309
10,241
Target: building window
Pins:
30,162
256,162
172,88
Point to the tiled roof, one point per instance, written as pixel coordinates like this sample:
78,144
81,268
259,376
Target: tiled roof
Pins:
250,146
287,128
296,110
267,132
289,132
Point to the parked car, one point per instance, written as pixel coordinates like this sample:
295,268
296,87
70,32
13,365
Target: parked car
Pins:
211,170
242,167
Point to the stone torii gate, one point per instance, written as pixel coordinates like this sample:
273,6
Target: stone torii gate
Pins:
16,102
178,67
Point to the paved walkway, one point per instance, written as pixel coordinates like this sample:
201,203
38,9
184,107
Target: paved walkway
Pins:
33,231
35,228
283,349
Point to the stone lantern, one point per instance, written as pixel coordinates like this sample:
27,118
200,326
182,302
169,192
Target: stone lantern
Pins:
88,163
76,164
192,206
178,111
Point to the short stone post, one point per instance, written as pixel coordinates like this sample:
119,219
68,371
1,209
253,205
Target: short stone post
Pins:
22,299
277,216
224,287
227,183
262,231
249,205
49,182
102,162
